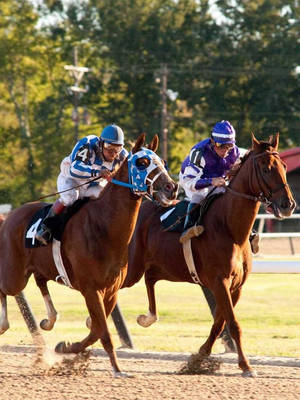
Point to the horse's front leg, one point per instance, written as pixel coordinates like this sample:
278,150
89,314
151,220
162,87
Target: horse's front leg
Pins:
99,330
215,331
4,324
224,335
151,317
225,302
47,323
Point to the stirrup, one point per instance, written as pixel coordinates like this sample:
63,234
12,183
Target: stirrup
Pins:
43,235
194,231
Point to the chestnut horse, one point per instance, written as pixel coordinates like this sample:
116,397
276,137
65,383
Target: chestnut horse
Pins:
222,253
94,245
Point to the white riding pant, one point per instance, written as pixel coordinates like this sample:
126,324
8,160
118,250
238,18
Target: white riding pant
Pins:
71,195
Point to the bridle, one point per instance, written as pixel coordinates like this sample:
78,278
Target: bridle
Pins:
263,197
142,179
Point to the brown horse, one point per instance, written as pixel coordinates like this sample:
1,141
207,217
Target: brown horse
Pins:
94,245
222,253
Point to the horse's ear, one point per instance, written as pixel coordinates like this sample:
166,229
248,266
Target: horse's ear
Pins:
139,143
255,142
274,141
153,145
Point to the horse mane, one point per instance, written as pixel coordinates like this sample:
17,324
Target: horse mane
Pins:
264,146
237,166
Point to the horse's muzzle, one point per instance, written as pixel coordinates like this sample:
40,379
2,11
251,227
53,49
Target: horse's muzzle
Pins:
167,194
283,208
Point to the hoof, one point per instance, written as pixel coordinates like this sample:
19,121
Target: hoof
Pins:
88,322
46,325
122,375
250,373
146,320
4,328
62,348
229,346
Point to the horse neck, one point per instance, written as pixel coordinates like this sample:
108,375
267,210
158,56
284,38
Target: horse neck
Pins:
120,206
241,212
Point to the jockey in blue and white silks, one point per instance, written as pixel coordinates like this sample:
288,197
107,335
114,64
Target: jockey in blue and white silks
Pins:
204,170
91,157
86,161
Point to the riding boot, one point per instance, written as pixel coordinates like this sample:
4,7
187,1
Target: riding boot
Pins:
44,233
254,241
190,229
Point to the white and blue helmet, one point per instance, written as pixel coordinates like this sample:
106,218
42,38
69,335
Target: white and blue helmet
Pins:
223,132
112,134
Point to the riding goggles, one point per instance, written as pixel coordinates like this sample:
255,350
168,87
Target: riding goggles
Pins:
112,148
224,146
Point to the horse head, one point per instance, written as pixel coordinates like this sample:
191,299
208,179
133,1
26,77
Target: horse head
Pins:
148,174
270,177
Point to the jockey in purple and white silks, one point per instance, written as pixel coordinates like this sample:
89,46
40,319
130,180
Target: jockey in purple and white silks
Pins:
91,157
204,170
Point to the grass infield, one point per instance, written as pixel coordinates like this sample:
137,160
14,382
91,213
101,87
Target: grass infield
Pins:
268,312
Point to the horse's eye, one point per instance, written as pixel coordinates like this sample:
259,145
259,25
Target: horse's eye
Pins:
142,163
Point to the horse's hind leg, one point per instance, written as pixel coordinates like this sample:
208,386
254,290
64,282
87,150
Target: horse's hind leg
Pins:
30,320
4,324
46,324
151,317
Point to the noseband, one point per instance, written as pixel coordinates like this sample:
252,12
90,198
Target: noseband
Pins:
266,199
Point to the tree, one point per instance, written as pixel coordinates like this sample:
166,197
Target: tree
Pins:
258,52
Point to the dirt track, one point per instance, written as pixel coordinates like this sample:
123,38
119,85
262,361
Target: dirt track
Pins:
154,377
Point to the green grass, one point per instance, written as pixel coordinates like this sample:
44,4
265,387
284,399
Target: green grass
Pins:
268,312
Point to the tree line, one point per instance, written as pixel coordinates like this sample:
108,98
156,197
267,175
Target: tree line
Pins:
237,61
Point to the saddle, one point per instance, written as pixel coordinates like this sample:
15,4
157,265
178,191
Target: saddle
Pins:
56,224
173,218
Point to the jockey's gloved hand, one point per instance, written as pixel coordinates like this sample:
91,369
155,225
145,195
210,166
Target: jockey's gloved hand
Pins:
105,174
220,181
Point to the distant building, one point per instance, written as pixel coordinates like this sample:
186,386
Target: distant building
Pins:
292,159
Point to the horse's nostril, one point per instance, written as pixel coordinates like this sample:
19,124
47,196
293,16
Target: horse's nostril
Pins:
168,187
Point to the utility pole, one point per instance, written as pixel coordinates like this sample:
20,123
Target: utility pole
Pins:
164,112
77,73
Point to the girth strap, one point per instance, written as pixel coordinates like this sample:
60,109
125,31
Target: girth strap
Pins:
188,255
59,264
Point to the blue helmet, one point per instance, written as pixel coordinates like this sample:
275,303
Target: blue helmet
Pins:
223,132
112,134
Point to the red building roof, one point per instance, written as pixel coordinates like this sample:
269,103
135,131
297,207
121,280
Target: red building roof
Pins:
292,158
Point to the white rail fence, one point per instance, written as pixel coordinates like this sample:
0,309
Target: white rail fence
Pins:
290,235
277,266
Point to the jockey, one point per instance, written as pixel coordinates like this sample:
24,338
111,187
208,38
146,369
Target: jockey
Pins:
91,157
204,171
